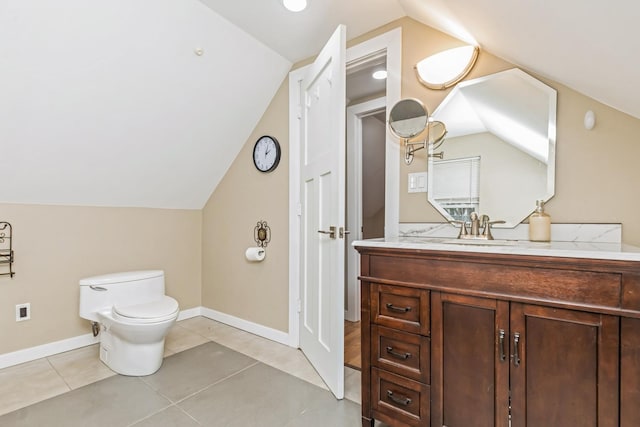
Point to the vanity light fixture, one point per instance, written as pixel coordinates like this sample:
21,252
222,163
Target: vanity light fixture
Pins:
379,75
295,5
444,69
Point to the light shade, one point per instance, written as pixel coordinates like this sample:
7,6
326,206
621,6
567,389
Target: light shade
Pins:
295,5
446,68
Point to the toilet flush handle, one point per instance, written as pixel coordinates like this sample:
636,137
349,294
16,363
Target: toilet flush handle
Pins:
97,288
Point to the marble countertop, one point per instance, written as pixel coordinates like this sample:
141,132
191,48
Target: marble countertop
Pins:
592,250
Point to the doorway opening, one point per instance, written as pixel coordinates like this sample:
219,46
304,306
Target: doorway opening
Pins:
366,189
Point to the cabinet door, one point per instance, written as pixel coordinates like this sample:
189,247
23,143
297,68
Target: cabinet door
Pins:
469,378
630,372
564,367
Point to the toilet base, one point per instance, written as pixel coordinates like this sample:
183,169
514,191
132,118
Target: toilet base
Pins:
130,359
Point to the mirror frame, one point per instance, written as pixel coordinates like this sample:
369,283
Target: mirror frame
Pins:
551,94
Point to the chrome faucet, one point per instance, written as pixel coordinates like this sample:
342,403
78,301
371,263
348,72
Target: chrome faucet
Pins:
477,222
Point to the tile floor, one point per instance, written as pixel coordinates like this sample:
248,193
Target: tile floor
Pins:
201,384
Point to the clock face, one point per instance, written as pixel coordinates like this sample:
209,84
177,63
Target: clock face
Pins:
266,154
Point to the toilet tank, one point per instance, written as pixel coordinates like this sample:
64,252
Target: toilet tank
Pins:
132,287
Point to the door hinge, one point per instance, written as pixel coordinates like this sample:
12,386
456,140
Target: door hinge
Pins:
299,210
299,308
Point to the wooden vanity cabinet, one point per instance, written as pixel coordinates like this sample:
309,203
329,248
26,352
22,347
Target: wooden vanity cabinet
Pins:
531,341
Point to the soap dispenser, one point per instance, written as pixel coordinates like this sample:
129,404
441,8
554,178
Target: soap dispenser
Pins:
539,224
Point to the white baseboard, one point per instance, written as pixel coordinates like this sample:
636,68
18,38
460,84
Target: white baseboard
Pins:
45,350
245,325
189,313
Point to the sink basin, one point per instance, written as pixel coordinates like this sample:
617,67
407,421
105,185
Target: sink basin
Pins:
480,242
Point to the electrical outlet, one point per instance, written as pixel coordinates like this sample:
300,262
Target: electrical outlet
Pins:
23,312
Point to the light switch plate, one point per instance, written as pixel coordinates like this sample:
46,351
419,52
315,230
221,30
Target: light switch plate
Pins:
417,182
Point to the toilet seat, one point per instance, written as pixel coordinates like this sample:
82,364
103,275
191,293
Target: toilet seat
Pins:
165,308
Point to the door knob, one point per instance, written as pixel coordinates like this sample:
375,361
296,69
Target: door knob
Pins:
342,232
331,232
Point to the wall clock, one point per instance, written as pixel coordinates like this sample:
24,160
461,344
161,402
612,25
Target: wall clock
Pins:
266,153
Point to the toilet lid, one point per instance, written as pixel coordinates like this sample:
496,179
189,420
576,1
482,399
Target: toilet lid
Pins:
155,310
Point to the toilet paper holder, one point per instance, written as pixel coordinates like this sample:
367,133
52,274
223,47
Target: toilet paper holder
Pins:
262,234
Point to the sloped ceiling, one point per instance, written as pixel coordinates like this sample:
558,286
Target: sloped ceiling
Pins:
107,104
589,45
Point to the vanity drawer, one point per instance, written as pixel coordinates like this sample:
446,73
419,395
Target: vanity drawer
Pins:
399,401
400,308
401,352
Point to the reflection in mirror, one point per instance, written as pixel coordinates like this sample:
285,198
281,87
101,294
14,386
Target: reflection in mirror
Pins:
501,145
408,118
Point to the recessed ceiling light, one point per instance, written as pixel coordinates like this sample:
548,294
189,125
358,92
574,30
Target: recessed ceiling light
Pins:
380,74
295,5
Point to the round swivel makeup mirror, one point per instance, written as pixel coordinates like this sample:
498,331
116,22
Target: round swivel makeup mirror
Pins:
408,118
437,132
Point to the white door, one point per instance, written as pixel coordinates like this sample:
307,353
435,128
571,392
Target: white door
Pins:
322,195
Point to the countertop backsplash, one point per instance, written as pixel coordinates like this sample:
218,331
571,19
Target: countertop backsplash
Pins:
589,233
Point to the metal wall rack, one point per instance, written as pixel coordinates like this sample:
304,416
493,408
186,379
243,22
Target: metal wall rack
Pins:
6,249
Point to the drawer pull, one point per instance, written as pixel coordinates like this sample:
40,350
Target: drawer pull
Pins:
398,309
404,401
516,356
503,356
404,356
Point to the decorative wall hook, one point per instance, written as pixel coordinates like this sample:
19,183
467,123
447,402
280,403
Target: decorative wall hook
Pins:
262,234
6,248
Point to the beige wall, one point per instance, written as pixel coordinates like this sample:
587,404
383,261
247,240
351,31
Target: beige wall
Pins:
56,246
257,292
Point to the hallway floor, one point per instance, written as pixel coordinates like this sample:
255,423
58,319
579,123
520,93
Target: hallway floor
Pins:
224,365
352,353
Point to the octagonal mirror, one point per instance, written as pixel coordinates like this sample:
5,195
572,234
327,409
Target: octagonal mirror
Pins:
499,155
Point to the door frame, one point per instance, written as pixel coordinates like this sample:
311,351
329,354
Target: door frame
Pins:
355,114
391,42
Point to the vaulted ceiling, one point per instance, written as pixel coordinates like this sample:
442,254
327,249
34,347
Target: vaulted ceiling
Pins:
147,103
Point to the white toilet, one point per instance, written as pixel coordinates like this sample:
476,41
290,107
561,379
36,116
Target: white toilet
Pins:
132,315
